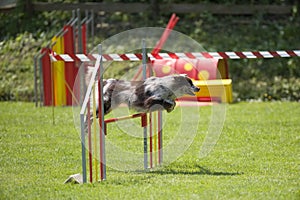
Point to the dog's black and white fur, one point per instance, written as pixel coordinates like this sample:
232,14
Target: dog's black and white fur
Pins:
152,94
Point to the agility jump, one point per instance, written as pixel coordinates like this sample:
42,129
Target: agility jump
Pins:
92,145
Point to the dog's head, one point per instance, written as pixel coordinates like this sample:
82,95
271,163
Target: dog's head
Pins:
183,85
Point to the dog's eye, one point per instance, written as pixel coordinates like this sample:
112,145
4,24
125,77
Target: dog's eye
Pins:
190,82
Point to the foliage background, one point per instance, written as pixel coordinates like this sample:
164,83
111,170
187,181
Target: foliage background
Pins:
23,34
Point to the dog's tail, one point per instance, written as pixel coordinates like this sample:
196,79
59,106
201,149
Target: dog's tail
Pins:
88,74
88,71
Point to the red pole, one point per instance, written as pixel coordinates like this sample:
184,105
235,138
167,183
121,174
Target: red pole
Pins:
124,118
70,69
83,34
160,137
172,22
47,81
150,140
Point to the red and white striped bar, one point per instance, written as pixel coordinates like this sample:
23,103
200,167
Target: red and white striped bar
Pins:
193,55
73,57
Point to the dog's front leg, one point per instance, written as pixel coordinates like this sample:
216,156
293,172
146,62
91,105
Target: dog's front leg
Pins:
169,105
154,103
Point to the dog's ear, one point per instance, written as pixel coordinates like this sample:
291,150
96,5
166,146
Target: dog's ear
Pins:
181,77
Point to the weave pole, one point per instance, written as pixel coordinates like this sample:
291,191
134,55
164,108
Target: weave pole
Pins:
95,138
150,139
90,140
155,138
160,137
144,60
101,118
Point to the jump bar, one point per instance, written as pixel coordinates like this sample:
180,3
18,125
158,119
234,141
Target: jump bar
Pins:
188,55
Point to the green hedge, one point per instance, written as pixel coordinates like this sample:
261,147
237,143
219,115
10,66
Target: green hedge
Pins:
16,67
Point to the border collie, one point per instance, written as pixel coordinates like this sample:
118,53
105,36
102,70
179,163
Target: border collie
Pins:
151,94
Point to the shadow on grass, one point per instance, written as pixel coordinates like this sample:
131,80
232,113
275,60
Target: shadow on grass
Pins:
195,170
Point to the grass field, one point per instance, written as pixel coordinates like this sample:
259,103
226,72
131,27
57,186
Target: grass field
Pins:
257,157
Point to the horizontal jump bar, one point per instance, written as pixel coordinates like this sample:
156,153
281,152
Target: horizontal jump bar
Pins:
124,117
187,55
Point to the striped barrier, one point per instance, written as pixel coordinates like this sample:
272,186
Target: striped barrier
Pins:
158,56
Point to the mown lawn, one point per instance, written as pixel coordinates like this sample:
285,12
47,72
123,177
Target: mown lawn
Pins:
257,157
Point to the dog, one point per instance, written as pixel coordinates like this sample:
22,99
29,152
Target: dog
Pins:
151,94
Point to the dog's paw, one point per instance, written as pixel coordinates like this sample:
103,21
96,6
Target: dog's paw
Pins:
155,104
169,105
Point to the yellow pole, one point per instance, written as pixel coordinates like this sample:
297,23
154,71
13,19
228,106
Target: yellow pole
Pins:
155,137
59,74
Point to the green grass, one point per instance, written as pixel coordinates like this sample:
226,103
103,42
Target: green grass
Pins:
257,157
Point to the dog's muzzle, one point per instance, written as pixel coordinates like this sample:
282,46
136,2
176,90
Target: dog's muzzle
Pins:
195,89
